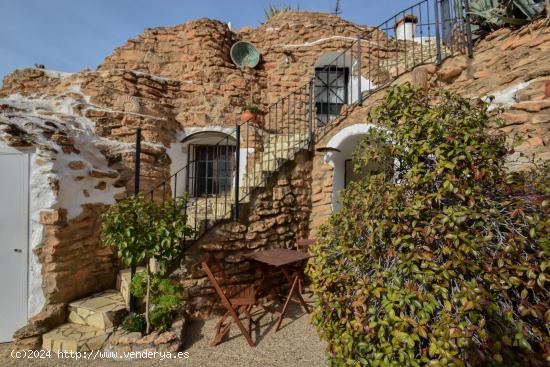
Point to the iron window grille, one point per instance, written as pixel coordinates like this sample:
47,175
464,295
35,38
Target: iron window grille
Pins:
211,172
331,92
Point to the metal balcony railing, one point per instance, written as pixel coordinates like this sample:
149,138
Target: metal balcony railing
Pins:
426,32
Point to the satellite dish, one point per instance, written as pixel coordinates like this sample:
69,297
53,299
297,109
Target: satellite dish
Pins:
244,54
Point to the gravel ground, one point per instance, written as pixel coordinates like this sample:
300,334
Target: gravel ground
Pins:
295,344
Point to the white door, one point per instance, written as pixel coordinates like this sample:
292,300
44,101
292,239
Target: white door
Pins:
14,219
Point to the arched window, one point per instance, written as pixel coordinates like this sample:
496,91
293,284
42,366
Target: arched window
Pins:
211,159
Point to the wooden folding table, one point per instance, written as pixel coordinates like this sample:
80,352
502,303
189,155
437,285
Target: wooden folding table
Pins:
286,260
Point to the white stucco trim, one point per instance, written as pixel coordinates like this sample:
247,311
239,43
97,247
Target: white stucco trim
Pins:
346,60
345,141
320,40
338,139
178,152
210,128
507,96
41,197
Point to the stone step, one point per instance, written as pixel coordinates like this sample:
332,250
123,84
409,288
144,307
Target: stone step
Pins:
123,284
73,337
266,167
102,310
251,182
284,150
271,139
213,208
269,165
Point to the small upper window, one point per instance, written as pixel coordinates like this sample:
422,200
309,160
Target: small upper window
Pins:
331,92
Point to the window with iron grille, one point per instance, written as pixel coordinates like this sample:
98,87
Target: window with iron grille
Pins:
331,92
212,172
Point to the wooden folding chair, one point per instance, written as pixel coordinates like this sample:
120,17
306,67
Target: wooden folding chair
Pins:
237,299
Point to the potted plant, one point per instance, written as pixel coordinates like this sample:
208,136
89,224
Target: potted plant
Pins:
249,113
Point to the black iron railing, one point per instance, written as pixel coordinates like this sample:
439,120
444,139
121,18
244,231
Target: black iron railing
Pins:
426,32
284,130
206,180
218,178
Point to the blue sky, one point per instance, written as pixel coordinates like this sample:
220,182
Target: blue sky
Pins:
71,35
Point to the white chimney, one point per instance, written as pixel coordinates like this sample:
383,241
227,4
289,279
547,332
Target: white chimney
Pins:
405,28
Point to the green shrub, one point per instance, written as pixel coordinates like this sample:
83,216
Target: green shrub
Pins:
134,323
165,297
441,260
272,11
251,108
161,318
142,230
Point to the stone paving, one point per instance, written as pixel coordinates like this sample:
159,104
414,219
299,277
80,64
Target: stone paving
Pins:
91,321
102,310
295,344
74,337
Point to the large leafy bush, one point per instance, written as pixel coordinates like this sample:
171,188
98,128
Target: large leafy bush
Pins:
443,259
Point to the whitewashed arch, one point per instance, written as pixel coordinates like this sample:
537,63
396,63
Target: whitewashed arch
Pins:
345,141
207,135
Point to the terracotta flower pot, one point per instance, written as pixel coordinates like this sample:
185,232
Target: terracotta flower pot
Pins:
247,116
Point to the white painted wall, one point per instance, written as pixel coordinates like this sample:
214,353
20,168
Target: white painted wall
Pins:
178,151
346,141
41,197
178,157
405,31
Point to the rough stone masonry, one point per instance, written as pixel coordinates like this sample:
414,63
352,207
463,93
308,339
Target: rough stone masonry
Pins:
79,131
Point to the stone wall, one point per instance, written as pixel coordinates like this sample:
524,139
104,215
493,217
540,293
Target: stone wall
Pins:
511,65
114,103
276,216
168,81
212,88
69,255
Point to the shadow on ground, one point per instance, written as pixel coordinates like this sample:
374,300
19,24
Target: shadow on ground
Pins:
295,344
